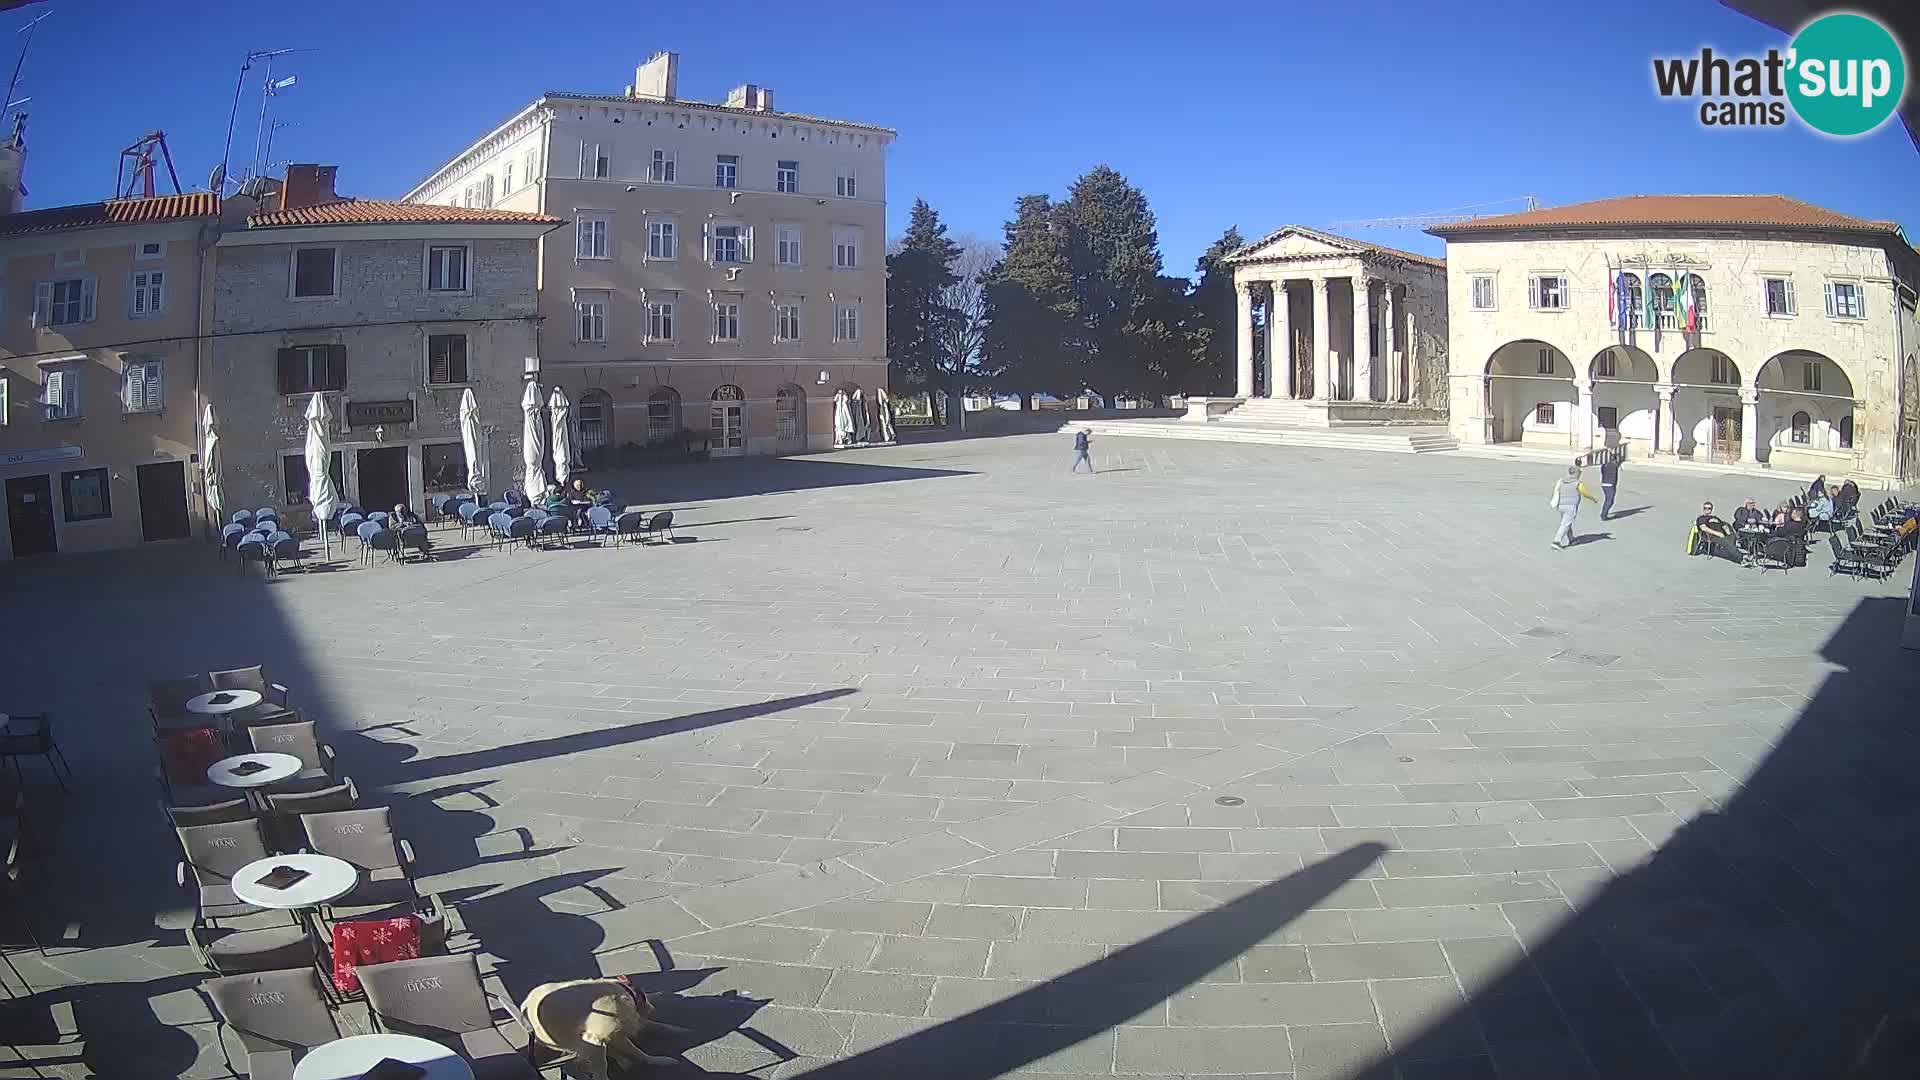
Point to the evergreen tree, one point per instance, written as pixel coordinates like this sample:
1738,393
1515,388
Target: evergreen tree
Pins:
1210,334
1030,304
918,274
1114,255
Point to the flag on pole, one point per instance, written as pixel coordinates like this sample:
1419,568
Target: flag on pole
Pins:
1653,314
1613,299
1683,302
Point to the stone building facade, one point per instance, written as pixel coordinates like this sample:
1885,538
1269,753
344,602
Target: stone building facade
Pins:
1570,330
1308,292
725,269
99,310
393,310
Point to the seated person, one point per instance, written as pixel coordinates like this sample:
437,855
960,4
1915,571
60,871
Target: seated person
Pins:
1821,509
579,493
1749,517
1714,537
1796,524
554,501
401,516
1846,500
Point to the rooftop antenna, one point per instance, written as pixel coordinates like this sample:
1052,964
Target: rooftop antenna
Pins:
140,176
269,89
233,114
14,83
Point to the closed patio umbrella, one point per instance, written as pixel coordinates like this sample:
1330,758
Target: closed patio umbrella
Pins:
210,465
320,491
473,440
565,446
842,419
533,443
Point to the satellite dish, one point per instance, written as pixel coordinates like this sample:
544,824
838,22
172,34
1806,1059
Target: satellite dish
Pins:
218,178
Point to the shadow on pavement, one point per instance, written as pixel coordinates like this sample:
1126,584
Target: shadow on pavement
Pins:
735,477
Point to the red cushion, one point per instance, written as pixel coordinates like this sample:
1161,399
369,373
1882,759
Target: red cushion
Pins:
372,941
189,751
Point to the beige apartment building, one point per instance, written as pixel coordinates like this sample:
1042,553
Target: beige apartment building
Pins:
725,268
99,312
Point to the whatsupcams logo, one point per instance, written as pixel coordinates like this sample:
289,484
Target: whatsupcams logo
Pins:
1843,74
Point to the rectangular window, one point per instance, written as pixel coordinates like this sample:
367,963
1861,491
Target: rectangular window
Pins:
726,321
64,302
1722,372
662,241
660,320
147,293
530,164
305,369
846,249
1543,414
506,178
786,176
1482,292
1547,292
786,322
846,322
85,493
786,245
1810,376
590,236
447,359
726,171
1609,418
662,168
590,311
443,466
1779,295
314,272
1802,427
61,395
447,268
1845,300
486,193
140,387
594,164
727,245
1545,365
150,249
293,476
846,183
1604,366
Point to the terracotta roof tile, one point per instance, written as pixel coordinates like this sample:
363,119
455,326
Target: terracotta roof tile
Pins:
382,212
193,204
1723,211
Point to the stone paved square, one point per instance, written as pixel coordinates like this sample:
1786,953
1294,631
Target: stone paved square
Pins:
937,761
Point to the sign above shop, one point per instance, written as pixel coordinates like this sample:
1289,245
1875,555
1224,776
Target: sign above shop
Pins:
369,413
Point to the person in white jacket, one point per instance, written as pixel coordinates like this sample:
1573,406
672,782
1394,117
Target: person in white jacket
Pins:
1567,493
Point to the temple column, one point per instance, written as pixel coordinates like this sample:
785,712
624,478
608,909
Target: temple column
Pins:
1583,416
1325,361
1280,338
1666,438
1396,381
1749,426
1362,338
1243,340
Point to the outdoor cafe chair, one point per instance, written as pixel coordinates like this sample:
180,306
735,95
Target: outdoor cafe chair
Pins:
252,551
381,516
167,701
628,525
297,739
520,530
414,538
182,756
497,524
286,552
600,522
443,998
555,525
278,1015
213,854
365,839
31,735
241,517
230,538
285,809
220,813
252,678
472,515
661,524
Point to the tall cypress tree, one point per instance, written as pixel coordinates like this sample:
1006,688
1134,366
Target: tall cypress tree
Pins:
1210,337
1030,304
917,275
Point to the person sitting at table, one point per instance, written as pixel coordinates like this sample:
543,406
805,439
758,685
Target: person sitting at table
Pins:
1845,500
579,493
401,516
1749,517
1712,536
1821,508
1796,524
554,501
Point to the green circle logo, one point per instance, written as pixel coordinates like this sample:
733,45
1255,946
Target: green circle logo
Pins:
1846,74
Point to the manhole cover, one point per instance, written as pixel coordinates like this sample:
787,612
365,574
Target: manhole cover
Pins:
1230,800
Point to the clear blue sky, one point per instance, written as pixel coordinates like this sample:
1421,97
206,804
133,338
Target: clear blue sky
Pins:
1224,113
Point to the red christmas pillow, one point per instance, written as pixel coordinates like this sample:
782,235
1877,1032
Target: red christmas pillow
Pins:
189,751
373,941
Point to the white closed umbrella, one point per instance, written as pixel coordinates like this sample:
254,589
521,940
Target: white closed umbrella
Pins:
565,446
842,419
320,491
473,440
533,443
210,465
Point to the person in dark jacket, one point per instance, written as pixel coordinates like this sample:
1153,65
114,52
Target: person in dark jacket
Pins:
1082,445
1609,482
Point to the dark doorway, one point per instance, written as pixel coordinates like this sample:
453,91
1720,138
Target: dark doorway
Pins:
383,477
30,515
163,501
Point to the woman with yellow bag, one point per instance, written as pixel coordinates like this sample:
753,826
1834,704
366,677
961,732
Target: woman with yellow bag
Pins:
1567,493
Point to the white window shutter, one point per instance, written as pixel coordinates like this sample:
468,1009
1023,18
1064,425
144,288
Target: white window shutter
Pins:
1860,301
56,386
134,390
154,387
139,294
1830,306
1792,308
706,241
746,244
43,303
86,300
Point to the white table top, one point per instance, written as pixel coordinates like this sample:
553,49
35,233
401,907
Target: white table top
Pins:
233,701
327,879
278,767
350,1058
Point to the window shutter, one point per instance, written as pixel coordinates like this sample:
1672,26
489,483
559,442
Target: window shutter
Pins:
155,391
285,360
336,367
56,385
86,300
746,244
706,241
43,303
1860,301
1830,305
437,360
1792,307
134,390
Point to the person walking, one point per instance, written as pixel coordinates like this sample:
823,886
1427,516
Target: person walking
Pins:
1609,480
1081,445
1567,493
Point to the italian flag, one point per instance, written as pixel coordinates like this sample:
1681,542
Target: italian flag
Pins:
1683,311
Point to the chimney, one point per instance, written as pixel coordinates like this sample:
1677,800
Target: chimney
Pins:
658,78
749,96
308,185
13,164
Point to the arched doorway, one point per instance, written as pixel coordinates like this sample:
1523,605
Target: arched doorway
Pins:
1530,396
729,422
1706,406
593,414
1805,411
790,418
663,415
1910,421
1625,408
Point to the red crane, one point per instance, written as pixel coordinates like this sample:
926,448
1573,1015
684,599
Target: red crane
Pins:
136,167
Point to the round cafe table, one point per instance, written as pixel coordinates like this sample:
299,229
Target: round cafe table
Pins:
350,1058
278,768
228,701
327,879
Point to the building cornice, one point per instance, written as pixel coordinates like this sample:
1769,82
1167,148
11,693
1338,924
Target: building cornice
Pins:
527,120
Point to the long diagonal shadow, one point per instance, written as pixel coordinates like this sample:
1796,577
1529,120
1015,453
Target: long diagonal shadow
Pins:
561,745
1056,1014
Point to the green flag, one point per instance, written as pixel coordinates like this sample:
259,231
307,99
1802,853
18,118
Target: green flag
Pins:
1653,314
